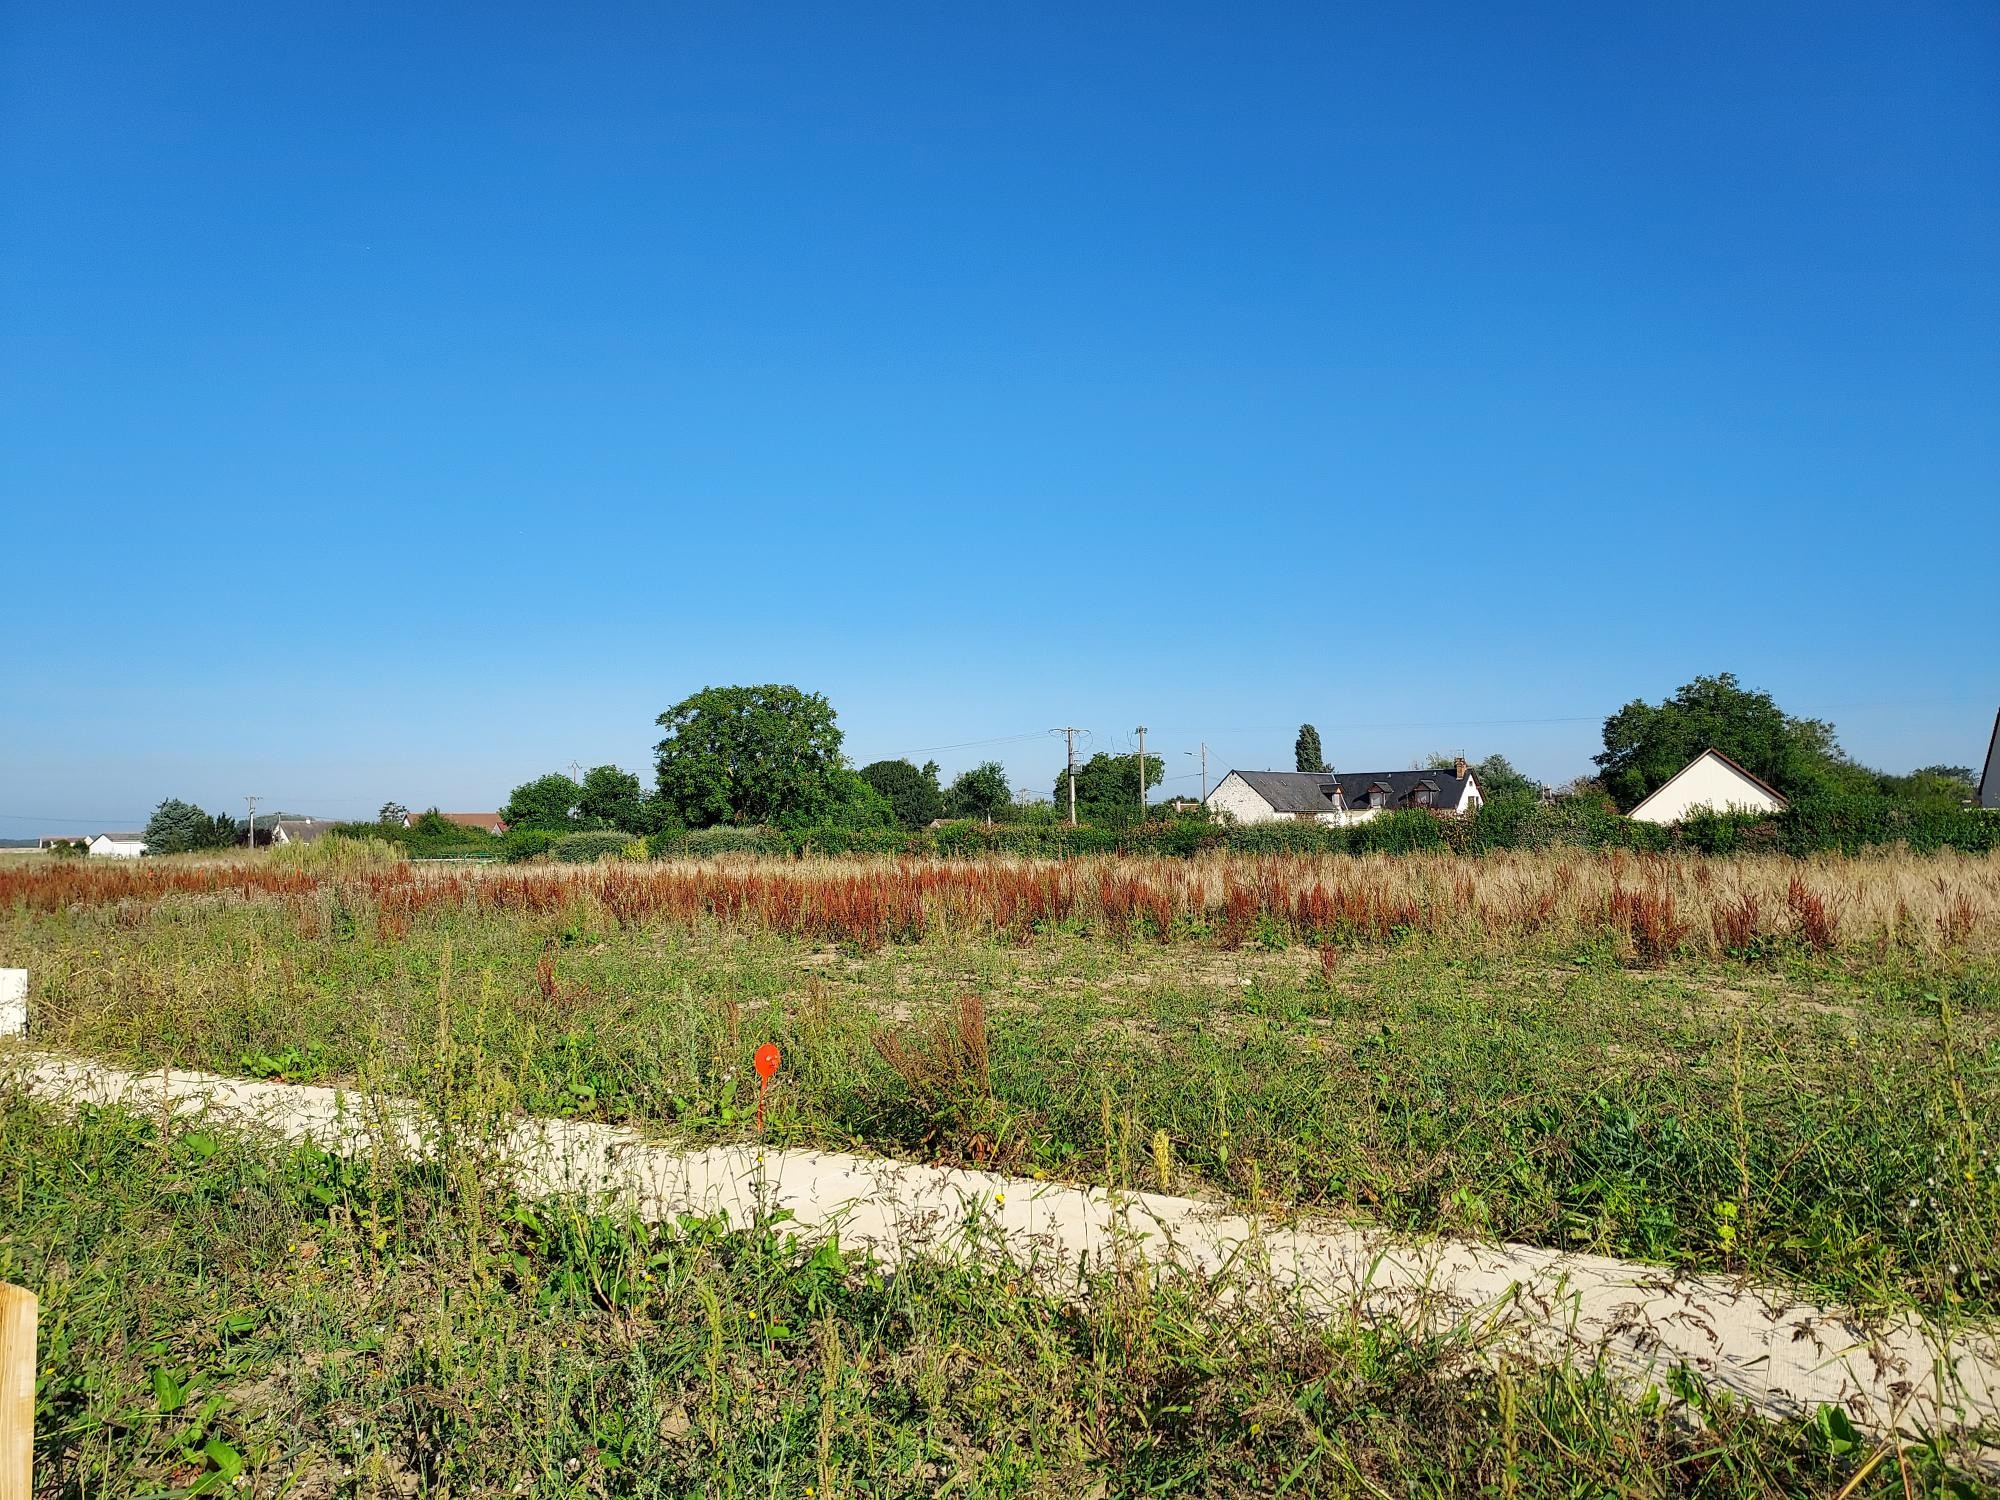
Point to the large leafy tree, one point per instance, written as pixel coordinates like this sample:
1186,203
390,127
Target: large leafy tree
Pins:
981,792
744,755
1107,787
1306,752
178,827
612,798
913,793
548,802
1645,743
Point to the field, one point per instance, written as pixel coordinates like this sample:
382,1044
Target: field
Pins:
1748,1065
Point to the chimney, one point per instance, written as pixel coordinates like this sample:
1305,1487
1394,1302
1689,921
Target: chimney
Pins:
1460,769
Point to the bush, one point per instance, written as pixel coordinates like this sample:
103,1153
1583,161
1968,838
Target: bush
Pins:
432,838
527,843
724,838
598,843
337,851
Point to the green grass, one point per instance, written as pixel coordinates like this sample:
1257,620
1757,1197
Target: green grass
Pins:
224,1316
1828,1122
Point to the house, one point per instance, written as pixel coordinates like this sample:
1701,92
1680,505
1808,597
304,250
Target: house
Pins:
1989,779
1344,797
118,845
59,840
299,830
1711,782
491,822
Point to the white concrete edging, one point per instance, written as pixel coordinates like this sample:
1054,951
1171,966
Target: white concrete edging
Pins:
1779,1354
13,1002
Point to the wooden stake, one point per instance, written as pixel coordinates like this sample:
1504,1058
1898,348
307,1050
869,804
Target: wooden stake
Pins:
17,1393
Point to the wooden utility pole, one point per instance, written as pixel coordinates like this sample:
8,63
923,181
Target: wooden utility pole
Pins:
252,801
1070,735
1204,769
17,1393
1142,773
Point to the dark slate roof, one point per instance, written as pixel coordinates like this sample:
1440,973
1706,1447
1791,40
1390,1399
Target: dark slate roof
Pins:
301,830
1303,791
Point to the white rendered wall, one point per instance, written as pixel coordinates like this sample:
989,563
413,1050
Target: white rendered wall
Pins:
1709,783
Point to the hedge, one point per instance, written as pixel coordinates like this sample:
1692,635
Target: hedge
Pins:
1808,827
588,847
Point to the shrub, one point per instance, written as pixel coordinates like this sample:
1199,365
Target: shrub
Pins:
527,843
589,847
336,851
724,838
433,837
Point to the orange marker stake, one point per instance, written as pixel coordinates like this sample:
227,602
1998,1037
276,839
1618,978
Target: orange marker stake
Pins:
766,1062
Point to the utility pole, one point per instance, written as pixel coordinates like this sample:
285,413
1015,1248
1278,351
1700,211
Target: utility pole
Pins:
1142,773
253,820
1069,733
1204,769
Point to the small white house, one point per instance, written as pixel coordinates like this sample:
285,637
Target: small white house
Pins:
118,845
299,830
1711,782
1341,798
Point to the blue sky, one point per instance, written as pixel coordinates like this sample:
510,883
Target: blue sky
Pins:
399,402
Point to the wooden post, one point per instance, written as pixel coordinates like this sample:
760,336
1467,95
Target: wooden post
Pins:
17,1393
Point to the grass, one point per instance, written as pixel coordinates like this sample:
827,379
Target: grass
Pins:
1817,1114
221,1316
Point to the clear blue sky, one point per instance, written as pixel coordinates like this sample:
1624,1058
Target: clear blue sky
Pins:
399,402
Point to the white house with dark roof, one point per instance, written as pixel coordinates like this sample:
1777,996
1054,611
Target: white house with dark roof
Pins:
1341,798
299,830
117,845
1711,782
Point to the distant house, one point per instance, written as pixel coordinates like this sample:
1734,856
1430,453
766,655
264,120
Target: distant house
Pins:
118,845
1989,780
1711,782
485,822
1344,797
57,840
299,830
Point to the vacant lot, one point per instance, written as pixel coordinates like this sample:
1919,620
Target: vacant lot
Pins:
1747,1065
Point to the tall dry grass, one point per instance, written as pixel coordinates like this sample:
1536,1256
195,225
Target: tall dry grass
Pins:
1648,907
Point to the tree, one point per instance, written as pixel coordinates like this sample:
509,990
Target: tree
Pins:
1107,787
548,802
1645,744
178,827
914,794
980,793
1306,752
392,814
857,804
746,755
1933,788
611,798
1498,780
1964,775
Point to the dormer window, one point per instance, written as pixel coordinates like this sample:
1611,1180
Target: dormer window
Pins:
1378,794
1424,794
